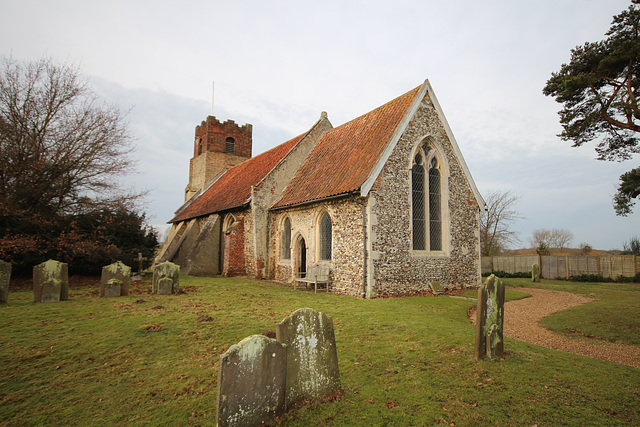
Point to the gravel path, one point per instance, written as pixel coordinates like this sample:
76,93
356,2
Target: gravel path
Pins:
521,322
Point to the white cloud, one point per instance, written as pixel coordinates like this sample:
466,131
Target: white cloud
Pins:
278,64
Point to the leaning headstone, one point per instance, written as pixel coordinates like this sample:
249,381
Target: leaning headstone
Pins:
5,278
251,382
166,278
50,282
535,273
115,280
490,319
312,358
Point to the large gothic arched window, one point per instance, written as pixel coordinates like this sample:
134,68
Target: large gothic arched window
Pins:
426,201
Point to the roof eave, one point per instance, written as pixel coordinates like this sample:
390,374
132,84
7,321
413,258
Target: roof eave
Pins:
402,126
243,205
309,202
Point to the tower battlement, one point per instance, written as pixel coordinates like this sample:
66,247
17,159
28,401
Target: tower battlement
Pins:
214,136
217,147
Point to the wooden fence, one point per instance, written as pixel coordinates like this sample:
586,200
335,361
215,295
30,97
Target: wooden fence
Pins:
554,266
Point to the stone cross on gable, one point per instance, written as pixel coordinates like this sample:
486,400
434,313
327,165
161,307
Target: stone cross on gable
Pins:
140,259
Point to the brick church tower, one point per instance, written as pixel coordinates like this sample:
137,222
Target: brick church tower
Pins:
217,147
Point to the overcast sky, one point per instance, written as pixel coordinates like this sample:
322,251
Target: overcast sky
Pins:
279,64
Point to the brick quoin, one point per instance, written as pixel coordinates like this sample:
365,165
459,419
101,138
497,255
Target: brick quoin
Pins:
234,252
259,265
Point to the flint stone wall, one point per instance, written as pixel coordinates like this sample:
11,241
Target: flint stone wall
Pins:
50,282
347,243
395,268
114,281
312,358
5,278
251,382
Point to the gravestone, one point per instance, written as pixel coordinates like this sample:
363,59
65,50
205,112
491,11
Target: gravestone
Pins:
115,280
535,273
166,278
436,287
251,382
490,319
5,278
140,260
50,282
312,358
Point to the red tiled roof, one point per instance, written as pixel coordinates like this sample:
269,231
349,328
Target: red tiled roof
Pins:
345,156
233,188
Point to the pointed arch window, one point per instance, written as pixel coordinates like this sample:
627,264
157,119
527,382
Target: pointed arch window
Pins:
325,237
285,252
426,199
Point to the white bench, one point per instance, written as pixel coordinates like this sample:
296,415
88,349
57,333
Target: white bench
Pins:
317,274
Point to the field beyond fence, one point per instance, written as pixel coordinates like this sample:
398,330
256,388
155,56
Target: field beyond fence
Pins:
561,266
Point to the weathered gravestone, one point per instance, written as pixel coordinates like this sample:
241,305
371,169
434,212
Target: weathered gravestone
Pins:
115,280
5,278
490,319
166,278
251,382
535,273
312,358
50,282
437,288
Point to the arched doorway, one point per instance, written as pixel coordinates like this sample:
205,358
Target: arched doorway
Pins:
301,257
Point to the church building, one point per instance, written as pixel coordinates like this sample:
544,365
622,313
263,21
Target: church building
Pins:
385,201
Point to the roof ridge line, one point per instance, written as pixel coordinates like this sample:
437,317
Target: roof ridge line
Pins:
323,115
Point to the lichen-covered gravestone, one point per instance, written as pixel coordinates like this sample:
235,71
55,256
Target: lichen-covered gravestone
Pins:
490,319
5,278
166,278
437,288
50,282
535,273
251,382
115,280
312,358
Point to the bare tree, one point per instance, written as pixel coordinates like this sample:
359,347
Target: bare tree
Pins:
544,240
541,240
560,238
495,223
62,150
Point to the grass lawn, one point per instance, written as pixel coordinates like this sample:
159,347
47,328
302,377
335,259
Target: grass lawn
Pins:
614,314
403,361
